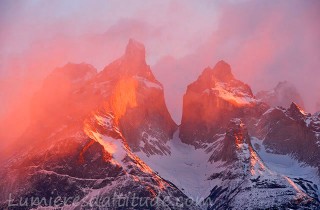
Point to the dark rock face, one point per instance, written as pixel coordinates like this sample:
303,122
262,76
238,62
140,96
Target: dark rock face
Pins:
148,123
282,95
236,134
211,101
291,131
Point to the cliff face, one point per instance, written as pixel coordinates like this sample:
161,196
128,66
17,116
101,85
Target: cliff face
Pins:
291,131
137,100
236,136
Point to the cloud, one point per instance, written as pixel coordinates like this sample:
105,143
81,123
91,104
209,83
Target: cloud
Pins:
264,41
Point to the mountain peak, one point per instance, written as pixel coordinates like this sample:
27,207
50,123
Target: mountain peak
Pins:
135,50
296,107
222,71
132,63
296,111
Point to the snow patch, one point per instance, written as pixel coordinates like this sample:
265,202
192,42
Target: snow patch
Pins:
234,95
186,167
286,165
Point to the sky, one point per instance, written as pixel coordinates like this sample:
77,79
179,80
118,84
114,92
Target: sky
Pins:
264,41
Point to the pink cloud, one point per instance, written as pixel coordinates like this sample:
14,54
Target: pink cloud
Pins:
264,41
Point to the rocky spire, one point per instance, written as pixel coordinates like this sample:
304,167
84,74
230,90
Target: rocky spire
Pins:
222,71
135,51
236,135
296,112
132,63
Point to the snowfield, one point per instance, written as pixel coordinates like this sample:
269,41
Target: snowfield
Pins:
186,167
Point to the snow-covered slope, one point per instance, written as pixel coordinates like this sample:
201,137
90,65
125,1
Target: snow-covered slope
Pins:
188,168
289,166
229,173
247,183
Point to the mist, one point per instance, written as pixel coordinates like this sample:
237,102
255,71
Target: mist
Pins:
264,42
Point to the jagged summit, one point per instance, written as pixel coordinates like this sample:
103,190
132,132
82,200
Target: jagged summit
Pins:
135,50
236,136
295,106
221,72
132,63
220,77
295,111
